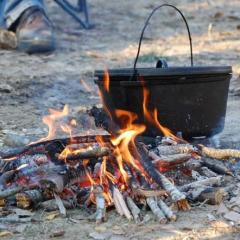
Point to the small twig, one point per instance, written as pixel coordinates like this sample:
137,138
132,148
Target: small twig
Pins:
134,209
100,204
60,205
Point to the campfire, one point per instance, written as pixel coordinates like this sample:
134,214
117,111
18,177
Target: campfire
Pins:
120,168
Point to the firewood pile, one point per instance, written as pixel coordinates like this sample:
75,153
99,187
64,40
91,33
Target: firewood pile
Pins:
98,172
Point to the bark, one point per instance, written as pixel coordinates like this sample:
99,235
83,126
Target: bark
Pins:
208,173
134,209
30,198
220,154
100,204
57,144
87,154
214,181
170,160
217,167
175,149
167,211
152,203
121,204
214,196
10,192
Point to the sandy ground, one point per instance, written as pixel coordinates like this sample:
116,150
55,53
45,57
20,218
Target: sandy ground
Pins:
30,84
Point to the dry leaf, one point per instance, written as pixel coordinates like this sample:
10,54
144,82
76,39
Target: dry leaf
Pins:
52,215
5,234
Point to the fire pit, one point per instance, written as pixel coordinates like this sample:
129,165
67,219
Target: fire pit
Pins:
191,100
116,168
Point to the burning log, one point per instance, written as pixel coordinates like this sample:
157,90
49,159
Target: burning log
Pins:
220,154
30,198
175,149
120,204
214,181
10,192
100,204
57,182
212,196
87,154
134,209
152,203
167,211
57,144
171,160
217,167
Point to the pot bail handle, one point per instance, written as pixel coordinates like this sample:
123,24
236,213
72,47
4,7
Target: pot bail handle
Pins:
146,24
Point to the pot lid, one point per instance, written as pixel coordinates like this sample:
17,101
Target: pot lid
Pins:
169,71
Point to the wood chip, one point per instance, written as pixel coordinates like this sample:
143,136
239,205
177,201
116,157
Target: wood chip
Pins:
52,215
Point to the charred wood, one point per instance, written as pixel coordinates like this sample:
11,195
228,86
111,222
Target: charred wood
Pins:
30,198
216,166
87,154
50,205
214,181
212,196
170,160
175,149
56,144
208,173
10,192
57,181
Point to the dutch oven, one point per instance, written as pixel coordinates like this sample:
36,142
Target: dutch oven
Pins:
191,100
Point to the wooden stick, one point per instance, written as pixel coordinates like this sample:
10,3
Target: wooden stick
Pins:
42,147
6,177
152,203
206,182
134,209
50,205
29,198
175,149
214,196
60,205
87,154
100,204
149,192
217,166
121,203
160,179
170,160
10,191
220,154
207,172
167,211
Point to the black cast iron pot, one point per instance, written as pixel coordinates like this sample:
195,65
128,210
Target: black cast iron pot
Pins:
191,100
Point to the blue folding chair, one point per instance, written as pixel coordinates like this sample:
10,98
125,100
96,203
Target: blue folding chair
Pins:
76,10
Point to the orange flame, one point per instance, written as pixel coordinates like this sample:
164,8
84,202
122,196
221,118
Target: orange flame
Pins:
152,117
106,81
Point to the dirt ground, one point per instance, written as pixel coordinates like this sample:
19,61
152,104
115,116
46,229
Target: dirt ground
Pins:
30,84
